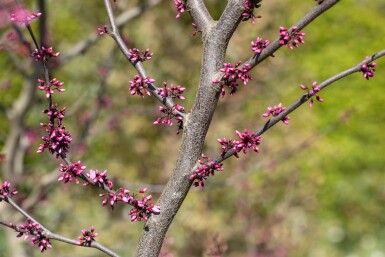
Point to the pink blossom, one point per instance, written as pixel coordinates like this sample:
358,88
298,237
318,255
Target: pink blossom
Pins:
22,16
291,39
275,111
368,70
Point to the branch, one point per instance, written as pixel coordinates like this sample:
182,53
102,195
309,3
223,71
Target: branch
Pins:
84,45
50,235
301,24
304,98
166,101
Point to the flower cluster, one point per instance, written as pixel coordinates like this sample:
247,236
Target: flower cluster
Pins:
312,92
44,54
54,84
53,113
172,91
180,6
87,237
99,179
245,141
368,70
231,76
207,167
274,111
291,39
33,228
6,191
248,12
71,172
58,139
142,209
137,85
259,45
22,16
168,115
102,30
136,55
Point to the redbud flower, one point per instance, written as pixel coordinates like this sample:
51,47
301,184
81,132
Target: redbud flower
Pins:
248,12
136,55
207,168
52,114
87,237
231,76
22,16
172,91
53,85
71,172
44,54
168,115
291,39
102,30
42,241
33,228
180,6
274,111
99,179
259,45
139,84
368,70
311,93
57,141
247,141
6,191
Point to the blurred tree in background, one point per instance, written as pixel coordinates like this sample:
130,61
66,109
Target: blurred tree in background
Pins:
315,189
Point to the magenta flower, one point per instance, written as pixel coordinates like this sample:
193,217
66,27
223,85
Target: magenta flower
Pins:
142,208
52,114
136,55
6,191
368,70
44,54
274,111
311,93
23,17
71,172
207,167
291,39
231,74
99,179
33,228
226,145
138,84
57,142
87,237
180,6
102,30
53,85
42,241
248,12
259,45
247,141
168,115
171,91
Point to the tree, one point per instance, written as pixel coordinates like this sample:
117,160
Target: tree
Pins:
218,79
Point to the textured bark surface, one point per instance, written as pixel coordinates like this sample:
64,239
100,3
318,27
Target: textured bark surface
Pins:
216,36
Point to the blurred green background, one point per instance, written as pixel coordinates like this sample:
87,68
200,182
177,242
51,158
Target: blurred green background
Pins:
315,189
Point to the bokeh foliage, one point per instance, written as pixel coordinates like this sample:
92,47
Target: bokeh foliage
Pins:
315,189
